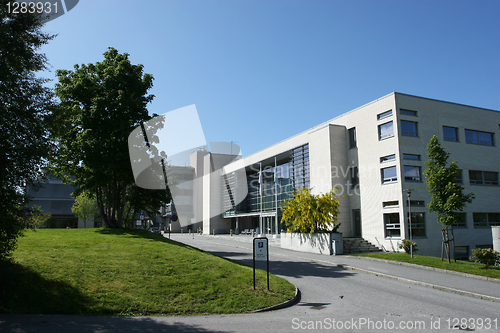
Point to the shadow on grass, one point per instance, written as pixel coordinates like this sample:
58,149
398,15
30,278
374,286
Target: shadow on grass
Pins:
23,290
139,233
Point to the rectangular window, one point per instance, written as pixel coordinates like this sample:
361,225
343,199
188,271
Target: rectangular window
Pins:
484,246
411,157
479,138
486,220
392,225
462,252
388,158
352,137
459,179
408,112
417,224
416,203
389,175
462,223
384,115
409,128
483,177
412,173
354,177
385,131
450,133
390,204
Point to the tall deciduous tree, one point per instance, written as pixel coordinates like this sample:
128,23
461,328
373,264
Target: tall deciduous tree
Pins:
100,105
308,213
448,198
24,104
85,208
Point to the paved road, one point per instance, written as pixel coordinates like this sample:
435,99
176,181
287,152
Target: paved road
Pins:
332,296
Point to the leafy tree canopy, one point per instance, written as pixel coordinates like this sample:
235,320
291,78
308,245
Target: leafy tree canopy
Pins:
85,208
447,196
100,105
24,105
308,213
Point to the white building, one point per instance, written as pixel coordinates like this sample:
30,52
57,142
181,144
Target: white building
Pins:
371,154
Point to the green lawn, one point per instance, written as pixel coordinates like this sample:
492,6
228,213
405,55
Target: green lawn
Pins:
459,266
127,272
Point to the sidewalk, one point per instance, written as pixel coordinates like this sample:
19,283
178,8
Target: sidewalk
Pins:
459,283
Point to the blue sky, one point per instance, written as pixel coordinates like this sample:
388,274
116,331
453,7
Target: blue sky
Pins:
262,71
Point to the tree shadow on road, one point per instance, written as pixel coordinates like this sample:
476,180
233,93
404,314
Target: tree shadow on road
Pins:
289,268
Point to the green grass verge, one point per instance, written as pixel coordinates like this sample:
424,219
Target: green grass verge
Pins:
459,266
127,272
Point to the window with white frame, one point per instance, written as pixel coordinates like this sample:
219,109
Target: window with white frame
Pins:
388,158
390,204
409,128
412,173
389,175
384,115
385,130
479,138
477,177
392,225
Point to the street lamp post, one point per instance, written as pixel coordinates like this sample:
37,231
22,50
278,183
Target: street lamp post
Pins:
408,191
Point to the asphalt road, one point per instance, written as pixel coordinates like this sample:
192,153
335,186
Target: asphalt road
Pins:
333,298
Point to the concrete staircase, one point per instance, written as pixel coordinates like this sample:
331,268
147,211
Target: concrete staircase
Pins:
358,245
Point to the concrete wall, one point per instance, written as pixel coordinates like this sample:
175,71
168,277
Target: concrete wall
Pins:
320,243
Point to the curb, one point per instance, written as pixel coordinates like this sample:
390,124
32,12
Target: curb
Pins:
283,305
407,264
419,283
425,284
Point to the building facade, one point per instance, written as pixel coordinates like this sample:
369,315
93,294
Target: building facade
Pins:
371,155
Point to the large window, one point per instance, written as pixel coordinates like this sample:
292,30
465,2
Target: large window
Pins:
392,225
486,220
483,177
385,130
462,222
409,128
389,175
412,173
450,133
417,224
479,138
352,137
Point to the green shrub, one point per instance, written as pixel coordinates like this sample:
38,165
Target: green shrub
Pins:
488,257
405,244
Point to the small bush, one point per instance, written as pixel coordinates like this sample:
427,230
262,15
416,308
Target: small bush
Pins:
488,257
405,244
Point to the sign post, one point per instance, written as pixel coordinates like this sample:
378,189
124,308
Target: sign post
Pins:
260,253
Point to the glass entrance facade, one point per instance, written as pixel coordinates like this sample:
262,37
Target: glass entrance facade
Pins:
269,185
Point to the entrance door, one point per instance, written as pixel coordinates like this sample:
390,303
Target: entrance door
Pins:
269,224
356,216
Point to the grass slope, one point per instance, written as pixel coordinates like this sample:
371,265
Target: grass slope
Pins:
127,272
459,266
